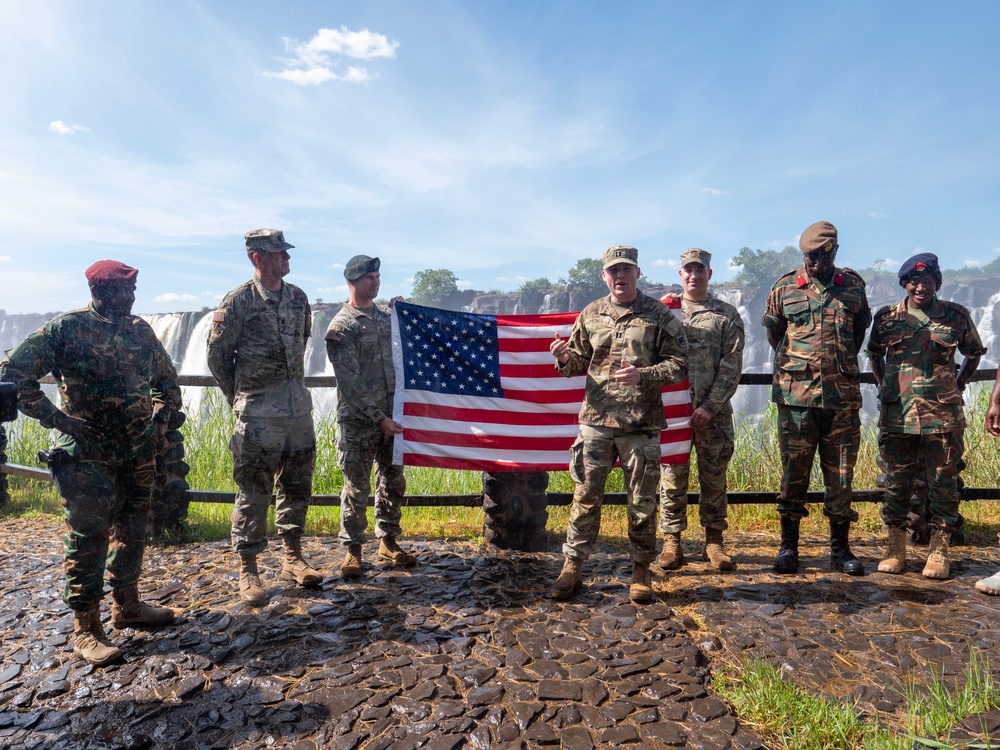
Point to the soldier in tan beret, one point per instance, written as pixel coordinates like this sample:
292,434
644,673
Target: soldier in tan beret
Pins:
816,319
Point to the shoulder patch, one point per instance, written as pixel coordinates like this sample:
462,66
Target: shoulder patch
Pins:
334,337
219,316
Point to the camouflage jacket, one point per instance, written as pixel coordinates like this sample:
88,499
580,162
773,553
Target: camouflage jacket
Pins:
715,340
919,394
821,328
648,336
114,374
359,345
256,350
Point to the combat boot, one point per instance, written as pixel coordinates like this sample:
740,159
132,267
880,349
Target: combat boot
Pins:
89,641
640,591
569,579
841,556
351,567
715,550
392,553
293,565
251,590
672,555
938,565
895,552
787,560
127,609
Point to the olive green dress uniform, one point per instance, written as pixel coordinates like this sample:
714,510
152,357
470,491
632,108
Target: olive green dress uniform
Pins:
921,416
256,351
116,376
359,345
619,421
715,340
817,384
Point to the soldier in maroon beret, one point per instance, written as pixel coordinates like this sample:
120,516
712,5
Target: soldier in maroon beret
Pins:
118,389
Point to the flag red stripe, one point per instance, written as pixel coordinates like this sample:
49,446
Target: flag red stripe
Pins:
495,442
487,416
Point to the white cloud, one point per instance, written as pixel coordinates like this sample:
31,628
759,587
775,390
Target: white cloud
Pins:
666,263
174,297
972,263
58,126
4,259
877,215
996,250
714,191
315,61
333,289
465,284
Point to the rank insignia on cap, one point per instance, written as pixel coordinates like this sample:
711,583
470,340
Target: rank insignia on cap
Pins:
921,266
219,316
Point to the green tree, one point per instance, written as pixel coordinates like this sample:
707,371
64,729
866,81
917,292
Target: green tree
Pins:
759,269
533,292
434,286
585,279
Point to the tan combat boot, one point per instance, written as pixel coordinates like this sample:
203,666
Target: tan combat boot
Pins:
392,553
128,610
89,641
672,556
895,553
715,550
293,565
938,565
640,591
251,590
351,567
569,579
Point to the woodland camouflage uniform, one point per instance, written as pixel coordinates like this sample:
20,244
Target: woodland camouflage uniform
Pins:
817,384
116,376
921,416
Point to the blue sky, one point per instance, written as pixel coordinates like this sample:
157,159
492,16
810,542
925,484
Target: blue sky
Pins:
503,141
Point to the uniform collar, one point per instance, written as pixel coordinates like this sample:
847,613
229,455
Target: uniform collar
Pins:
802,279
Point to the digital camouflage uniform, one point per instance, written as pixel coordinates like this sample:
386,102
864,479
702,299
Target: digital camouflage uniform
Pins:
621,421
817,384
921,419
715,339
359,345
256,351
116,376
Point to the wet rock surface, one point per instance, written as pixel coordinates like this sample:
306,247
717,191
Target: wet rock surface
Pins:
466,650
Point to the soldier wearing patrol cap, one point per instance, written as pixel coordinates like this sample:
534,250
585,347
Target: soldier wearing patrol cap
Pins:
629,346
256,351
816,319
921,419
359,345
715,339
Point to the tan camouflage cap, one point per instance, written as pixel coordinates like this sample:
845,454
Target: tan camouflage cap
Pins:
620,254
819,236
696,255
266,241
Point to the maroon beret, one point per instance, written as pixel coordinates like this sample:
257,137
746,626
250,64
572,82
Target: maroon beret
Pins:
105,271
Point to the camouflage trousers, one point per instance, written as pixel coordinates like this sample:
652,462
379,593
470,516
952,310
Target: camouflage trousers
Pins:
910,458
713,446
837,435
106,506
357,450
592,458
271,453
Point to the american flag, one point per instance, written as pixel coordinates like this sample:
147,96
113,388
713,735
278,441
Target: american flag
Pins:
481,392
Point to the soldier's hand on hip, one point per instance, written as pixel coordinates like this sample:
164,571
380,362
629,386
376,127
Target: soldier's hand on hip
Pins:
76,428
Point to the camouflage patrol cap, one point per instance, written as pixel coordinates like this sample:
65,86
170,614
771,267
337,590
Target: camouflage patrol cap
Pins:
110,272
266,241
359,265
620,254
819,236
696,255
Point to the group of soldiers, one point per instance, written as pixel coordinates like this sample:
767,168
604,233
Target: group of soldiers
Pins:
119,392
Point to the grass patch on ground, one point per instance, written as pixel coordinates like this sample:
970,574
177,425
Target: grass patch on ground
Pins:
791,718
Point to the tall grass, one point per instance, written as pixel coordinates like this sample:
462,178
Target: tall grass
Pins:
755,467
